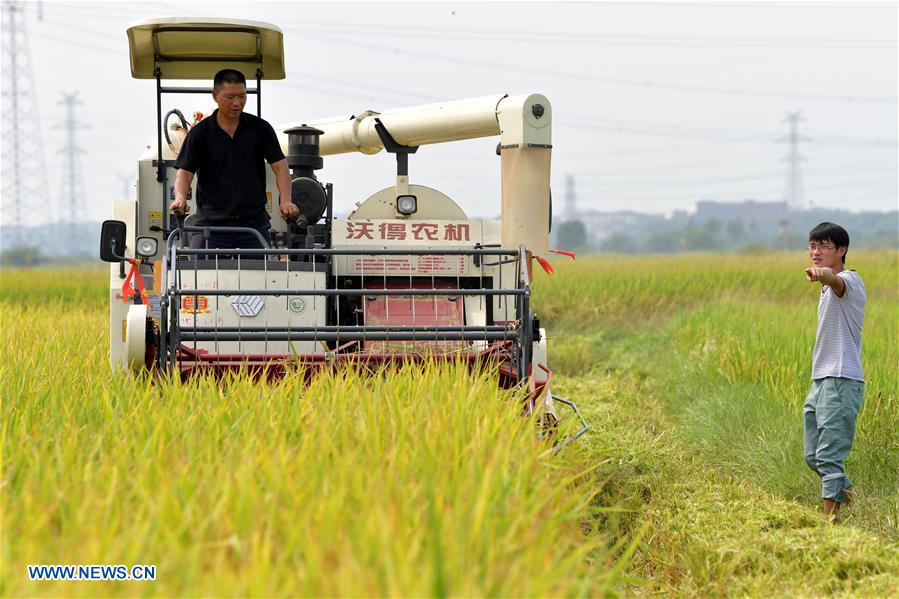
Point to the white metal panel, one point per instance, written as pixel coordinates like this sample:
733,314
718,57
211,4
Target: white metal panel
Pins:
396,234
123,210
418,234
278,311
431,204
118,314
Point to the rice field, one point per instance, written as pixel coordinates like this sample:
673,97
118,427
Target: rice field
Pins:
691,371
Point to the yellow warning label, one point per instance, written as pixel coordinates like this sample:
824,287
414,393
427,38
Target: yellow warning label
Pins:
124,327
154,217
157,277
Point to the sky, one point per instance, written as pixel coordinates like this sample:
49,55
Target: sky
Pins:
655,105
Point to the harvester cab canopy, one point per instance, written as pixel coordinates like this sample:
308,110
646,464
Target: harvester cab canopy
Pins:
198,47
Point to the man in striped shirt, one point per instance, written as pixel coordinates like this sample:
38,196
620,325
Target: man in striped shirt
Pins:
838,383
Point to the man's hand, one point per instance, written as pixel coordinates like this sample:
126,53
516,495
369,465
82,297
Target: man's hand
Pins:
182,186
820,273
826,276
180,206
289,210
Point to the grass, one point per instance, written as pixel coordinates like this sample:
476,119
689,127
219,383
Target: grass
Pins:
696,380
690,370
710,531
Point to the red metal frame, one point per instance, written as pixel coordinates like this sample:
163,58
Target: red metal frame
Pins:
275,366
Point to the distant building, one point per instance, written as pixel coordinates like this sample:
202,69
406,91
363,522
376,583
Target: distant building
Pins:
600,225
748,211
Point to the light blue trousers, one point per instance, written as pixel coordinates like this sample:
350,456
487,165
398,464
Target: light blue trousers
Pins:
829,415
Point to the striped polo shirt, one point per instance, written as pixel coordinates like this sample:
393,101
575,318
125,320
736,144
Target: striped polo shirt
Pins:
838,341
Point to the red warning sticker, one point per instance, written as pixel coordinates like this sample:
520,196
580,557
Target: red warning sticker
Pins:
202,304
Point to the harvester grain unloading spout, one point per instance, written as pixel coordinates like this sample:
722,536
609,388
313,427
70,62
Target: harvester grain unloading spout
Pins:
407,276
524,124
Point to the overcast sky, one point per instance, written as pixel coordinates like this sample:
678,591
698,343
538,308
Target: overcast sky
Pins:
655,105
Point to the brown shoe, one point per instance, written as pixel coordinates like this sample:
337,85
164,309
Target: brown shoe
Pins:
848,492
831,508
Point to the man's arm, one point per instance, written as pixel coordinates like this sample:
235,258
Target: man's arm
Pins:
282,178
182,183
827,277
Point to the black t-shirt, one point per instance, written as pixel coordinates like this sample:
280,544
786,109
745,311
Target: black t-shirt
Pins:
231,171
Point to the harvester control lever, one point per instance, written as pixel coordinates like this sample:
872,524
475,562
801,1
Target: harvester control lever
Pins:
296,228
180,218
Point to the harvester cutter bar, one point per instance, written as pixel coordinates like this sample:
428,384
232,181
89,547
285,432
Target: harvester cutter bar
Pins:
349,292
275,366
472,334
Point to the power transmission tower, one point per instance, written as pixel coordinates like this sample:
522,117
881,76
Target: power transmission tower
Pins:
72,194
794,194
570,198
127,182
24,170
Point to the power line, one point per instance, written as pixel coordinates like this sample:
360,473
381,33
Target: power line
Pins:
530,69
662,130
606,79
543,37
853,6
838,170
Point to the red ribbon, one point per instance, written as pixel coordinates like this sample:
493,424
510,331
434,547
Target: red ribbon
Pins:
128,291
571,255
547,267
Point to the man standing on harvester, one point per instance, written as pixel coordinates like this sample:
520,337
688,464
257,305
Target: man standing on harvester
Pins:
227,151
838,383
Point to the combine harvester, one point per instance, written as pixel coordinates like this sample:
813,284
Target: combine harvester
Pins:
407,276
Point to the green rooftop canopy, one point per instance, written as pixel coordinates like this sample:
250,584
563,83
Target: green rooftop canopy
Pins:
197,48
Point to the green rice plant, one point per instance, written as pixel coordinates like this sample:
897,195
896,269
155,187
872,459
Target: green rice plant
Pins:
424,481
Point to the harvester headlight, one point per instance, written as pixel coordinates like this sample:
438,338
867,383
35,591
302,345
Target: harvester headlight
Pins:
406,205
146,247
